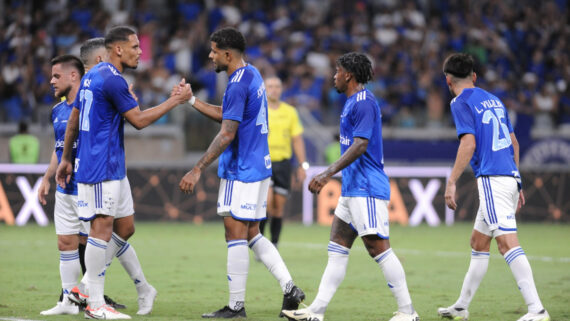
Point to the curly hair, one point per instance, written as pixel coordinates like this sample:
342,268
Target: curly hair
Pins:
358,65
459,65
229,38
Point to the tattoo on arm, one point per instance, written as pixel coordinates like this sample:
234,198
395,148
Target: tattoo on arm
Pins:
220,143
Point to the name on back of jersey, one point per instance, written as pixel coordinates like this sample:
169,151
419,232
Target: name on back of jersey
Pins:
491,103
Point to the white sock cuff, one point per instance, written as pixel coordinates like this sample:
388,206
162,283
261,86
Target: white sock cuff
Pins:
479,254
254,240
233,243
383,256
68,255
335,248
118,240
513,253
97,243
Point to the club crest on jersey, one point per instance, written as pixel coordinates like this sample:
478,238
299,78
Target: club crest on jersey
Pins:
267,161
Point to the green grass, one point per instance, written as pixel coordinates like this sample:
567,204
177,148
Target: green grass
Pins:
187,265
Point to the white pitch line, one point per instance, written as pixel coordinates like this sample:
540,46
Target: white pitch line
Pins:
323,246
16,319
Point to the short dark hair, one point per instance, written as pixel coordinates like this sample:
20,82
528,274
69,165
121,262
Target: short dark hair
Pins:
119,33
229,38
89,46
69,60
358,65
459,65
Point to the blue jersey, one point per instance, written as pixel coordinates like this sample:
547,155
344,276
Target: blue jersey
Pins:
59,116
476,111
247,158
365,176
103,97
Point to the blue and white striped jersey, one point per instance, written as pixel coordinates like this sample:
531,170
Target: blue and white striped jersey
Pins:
247,158
59,116
361,117
478,112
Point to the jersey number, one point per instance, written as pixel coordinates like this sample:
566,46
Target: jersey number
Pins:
86,99
262,118
499,119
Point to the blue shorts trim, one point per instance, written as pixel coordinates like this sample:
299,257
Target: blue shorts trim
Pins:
247,219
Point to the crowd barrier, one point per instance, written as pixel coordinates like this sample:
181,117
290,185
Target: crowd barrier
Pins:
417,196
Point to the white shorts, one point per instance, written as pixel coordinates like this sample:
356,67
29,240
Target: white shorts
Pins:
243,201
498,199
111,198
366,215
65,216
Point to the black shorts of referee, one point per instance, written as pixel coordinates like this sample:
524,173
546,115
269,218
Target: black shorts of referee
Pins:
281,178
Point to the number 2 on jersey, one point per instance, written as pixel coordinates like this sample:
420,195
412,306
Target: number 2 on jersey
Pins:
87,96
498,120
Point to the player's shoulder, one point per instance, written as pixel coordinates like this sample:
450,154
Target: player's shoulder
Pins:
58,105
365,99
107,70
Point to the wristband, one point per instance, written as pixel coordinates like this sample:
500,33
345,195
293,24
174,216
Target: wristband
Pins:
305,165
192,100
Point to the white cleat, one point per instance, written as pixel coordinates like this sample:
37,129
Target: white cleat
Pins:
63,307
146,301
105,312
452,313
541,316
401,316
303,315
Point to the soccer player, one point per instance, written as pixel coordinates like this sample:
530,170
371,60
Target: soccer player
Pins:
487,140
104,195
285,130
244,170
363,206
66,73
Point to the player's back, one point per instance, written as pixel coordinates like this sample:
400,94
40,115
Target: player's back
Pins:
59,116
247,157
103,97
482,114
361,117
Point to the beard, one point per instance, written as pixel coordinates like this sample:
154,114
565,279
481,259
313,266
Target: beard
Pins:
220,68
63,93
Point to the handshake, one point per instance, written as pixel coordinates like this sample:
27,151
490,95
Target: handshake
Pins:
182,92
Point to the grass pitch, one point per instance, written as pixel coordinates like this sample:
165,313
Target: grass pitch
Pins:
187,265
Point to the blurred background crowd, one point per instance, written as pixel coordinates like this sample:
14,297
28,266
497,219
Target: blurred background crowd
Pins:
522,47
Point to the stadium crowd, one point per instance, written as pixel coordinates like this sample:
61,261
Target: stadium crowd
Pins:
523,45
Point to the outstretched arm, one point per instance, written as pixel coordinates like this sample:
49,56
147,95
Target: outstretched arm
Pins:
225,136
211,111
465,151
65,168
142,118
357,148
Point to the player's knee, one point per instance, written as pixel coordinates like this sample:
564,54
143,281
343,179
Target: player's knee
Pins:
66,244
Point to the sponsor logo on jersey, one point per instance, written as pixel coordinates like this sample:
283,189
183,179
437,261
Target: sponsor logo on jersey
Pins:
344,140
